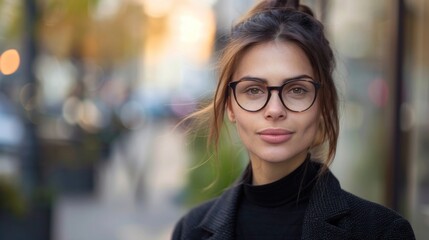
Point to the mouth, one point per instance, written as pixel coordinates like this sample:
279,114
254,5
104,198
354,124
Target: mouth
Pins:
274,135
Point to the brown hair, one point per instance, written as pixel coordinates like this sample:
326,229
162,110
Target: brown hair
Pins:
285,21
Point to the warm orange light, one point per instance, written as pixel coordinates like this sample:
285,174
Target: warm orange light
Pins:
9,62
192,29
157,9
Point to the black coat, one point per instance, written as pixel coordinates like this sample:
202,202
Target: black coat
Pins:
332,213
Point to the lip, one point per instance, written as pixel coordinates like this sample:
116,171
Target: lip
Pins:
275,135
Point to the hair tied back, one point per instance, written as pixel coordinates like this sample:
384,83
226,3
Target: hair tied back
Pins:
291,4
286,4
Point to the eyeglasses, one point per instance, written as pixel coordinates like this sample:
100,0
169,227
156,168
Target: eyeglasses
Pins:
296,95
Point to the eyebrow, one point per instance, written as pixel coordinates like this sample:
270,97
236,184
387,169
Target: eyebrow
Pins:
284,80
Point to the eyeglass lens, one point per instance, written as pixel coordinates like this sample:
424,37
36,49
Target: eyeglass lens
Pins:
297,95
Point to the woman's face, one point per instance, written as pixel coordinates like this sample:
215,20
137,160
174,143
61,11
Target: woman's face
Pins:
274,134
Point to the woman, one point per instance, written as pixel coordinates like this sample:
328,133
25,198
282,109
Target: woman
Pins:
276,87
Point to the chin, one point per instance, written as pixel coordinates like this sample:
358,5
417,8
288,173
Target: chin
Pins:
277,156
280,155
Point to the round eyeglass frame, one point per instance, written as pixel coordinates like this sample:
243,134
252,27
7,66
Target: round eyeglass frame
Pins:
279,89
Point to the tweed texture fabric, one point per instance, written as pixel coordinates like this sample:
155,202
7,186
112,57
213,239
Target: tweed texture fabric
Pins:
332,214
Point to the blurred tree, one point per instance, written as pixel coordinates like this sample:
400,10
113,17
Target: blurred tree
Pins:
212,173
74,28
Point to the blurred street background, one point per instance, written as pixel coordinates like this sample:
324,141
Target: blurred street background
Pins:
91,92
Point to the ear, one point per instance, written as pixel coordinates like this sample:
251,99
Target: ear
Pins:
230,112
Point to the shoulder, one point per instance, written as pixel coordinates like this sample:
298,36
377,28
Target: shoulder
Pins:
364,207
192,219
354,216
372,218
215,216
197,214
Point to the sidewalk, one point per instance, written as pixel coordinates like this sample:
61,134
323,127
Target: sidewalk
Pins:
136,191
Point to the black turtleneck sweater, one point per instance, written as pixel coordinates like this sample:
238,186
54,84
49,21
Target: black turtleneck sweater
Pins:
276,210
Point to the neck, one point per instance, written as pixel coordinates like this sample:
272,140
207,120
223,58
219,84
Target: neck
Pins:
264,172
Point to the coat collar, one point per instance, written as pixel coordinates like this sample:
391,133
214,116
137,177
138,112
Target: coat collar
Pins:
327,207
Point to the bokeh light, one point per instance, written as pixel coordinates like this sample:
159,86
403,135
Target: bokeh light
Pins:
9,61
89,116
157,9
378,92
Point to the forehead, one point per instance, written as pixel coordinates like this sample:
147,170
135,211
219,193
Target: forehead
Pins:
273,61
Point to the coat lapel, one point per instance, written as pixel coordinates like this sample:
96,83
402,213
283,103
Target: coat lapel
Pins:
325,217
219,223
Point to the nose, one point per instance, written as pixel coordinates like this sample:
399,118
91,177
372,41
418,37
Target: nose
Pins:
274,109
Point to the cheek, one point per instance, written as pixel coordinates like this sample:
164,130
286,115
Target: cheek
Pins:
311,125
244,132
243,122
313,129
319,138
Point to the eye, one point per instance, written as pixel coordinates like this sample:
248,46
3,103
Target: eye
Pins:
298,90
254,90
